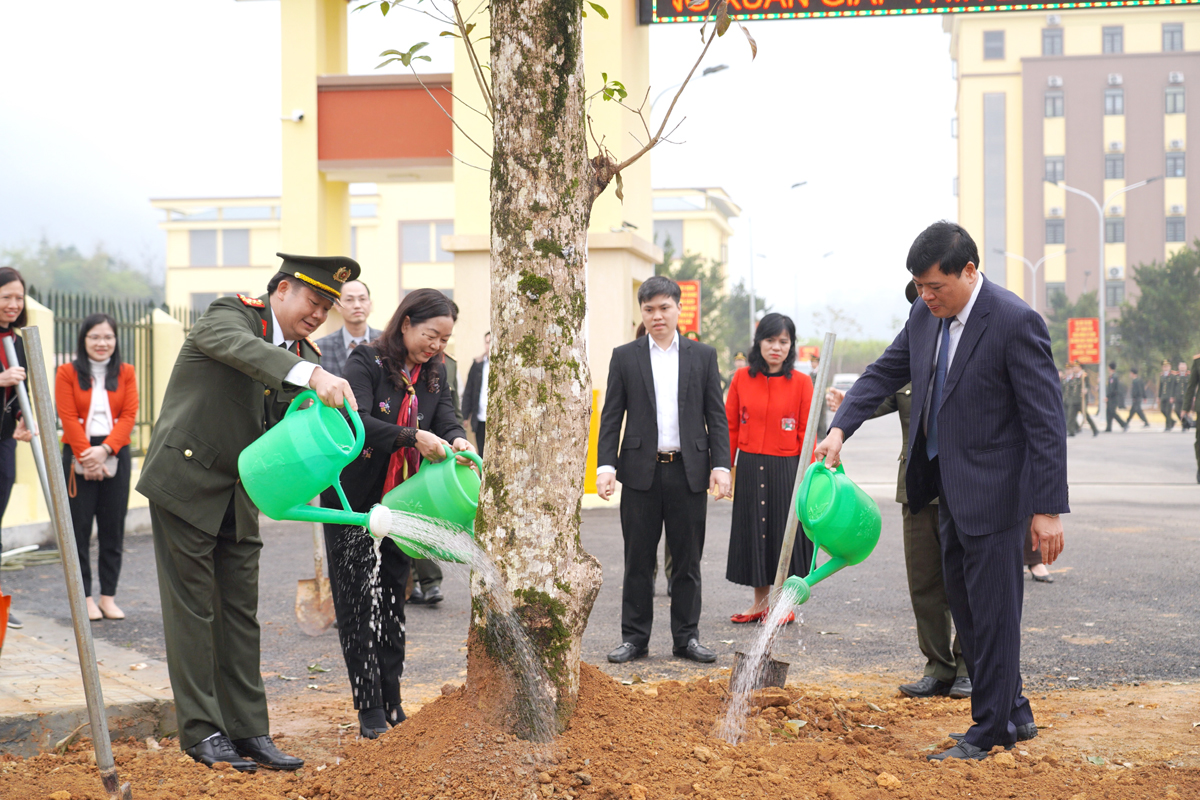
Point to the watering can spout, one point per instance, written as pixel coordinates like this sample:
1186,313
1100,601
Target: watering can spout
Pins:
379,521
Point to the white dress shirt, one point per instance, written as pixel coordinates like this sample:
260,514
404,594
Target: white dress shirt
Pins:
956,327
300,374
481,413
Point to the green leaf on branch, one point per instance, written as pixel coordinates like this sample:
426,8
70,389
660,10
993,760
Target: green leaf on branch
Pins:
750,39
599,9
450,33
723,19
385,7
470,27
407,57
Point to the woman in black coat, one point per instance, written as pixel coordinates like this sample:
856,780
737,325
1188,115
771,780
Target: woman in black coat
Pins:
407,411
12,427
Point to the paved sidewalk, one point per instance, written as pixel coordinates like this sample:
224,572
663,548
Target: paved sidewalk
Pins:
41,689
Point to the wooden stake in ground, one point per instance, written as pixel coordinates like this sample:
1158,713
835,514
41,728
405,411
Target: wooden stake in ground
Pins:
820,383
60,517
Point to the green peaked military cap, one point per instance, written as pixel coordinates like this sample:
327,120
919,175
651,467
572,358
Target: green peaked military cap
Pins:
323,274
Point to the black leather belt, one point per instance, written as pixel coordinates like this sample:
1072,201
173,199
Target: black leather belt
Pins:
669,456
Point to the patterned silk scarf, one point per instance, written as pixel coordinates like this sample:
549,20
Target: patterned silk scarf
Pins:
406,460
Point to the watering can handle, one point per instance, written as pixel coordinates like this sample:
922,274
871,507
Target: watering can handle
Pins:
360,433
467,454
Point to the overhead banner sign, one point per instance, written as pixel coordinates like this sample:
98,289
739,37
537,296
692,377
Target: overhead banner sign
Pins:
1083,340
689,308
807,352
751,10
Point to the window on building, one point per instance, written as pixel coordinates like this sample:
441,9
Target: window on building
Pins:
1114,293
1114,39
202,249
1052,41
246,212
414,243
1054,290
1175,100
1054,104
1172,36
354,242
669,232
993,45
1114,101
1114,230
235,247
1114,166
1175,165
1056,230
1054,169
441,229
1176,230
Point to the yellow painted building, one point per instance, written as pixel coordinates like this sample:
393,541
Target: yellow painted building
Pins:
1097,100
694,221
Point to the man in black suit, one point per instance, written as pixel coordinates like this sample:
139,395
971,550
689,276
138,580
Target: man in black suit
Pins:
355,307
990,444
474,399
676,446
1114,398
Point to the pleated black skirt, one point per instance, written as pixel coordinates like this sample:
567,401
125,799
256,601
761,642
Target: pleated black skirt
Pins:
760,511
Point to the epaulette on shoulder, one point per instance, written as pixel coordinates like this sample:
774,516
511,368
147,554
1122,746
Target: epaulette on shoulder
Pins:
1197,356
253,302
313,345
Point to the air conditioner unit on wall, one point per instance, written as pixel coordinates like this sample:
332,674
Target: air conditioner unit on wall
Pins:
1054,19
1115,211
1176,210
1056,211
1116,147
1176,144
1115,79
1054,81
1116,273
1175,77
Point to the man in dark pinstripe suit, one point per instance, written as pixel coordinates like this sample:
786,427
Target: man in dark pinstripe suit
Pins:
990,443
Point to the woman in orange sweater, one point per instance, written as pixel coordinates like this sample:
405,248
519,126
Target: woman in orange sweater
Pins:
767,409
97,401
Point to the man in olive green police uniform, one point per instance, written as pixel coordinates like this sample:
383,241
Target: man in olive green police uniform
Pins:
945,667
1188,400
241,364
1167,393
1071,398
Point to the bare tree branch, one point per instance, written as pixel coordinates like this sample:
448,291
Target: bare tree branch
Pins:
484,87
450,116
467,164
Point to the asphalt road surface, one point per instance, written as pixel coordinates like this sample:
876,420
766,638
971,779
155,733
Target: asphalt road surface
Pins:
1118,612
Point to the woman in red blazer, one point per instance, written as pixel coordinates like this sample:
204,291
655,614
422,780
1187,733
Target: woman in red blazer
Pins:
767,409
97,401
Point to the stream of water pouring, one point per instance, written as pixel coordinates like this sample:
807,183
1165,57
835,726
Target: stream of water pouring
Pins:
434,539
749,678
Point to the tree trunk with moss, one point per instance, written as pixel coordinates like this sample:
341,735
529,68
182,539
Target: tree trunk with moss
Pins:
539,385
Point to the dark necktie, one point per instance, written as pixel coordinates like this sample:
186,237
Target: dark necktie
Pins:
939,380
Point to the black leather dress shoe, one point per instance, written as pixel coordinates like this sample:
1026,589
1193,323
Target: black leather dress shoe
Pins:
219,748
1024,733
627,652
928,686
961,688
433,595
417,598
262,751
372,723
695,652
963,750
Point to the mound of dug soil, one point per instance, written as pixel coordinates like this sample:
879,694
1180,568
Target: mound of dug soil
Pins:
645,743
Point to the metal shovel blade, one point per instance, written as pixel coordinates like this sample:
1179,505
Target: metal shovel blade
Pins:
314,606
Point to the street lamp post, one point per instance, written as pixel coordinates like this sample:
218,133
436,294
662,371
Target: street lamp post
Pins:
1102,290
1032,267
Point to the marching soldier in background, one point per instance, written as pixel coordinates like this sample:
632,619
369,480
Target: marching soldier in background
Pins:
1188,400
240,366
1137,393
1114,399
1084,380
1167,393
1181,382
1071,398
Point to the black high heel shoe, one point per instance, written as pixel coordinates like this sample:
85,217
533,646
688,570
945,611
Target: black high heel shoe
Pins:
1041,578
371,723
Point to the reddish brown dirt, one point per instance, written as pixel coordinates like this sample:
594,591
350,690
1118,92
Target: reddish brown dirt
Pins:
647,742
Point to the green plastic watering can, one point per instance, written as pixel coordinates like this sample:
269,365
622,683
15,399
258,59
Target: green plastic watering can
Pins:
839,518
301,457
445,490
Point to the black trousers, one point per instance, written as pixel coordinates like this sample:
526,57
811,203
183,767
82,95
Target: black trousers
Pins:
1135,410
105,502
370,614
985,585
8,473
668,502
1112,412
208,587
1166,405
480,428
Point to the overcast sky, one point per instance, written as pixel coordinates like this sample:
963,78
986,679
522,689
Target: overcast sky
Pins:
105,105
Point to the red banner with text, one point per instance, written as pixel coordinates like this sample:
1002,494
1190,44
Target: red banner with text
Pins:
689,309
1083,340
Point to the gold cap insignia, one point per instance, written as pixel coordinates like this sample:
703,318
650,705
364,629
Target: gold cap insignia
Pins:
342,274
